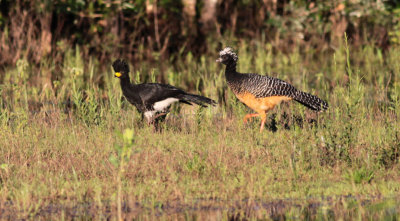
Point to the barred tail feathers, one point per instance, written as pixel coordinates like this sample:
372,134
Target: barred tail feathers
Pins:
311,101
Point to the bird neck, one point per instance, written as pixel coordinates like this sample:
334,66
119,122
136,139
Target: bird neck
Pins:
230,69
125,82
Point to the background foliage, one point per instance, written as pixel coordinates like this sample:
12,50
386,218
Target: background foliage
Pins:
152,29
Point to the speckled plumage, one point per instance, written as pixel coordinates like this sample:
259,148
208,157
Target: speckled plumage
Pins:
265,86
264,90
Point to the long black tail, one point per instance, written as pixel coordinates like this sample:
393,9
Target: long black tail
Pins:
197,99
311,101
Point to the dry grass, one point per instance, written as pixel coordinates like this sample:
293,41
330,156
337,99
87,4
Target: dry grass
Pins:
67,150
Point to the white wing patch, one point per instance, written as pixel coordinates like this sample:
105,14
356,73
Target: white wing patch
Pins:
159,106
164,104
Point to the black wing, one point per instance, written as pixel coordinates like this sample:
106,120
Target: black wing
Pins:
151,93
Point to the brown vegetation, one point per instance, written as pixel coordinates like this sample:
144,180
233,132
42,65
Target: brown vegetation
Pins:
142,30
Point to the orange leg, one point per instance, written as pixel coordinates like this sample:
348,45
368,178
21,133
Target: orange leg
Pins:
249,116
154,122
153,119
159,115
263,120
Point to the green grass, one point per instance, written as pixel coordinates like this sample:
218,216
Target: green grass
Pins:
61,142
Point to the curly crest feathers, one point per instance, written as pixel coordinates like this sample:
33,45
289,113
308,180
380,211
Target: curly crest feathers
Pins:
120,65
228,51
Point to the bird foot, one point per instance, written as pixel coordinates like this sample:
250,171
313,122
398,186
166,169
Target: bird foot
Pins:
249,117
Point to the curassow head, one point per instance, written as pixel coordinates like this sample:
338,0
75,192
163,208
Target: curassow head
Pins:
227,56
121,68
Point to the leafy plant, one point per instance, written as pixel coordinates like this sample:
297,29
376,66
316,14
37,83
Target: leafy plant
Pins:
120,157
359,176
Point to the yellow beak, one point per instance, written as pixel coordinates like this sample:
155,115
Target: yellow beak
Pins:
117,74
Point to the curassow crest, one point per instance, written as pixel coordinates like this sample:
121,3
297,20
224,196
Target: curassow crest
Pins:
121,68
153,100
227,56
263,93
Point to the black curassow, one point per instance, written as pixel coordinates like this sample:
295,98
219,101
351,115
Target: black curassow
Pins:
263,93
153,100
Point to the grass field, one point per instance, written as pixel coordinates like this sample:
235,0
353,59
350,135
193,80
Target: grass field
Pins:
73,147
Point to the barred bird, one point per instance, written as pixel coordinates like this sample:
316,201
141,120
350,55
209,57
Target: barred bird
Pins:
153,100
263,93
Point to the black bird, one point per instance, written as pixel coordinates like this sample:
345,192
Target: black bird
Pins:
263,93
153,100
